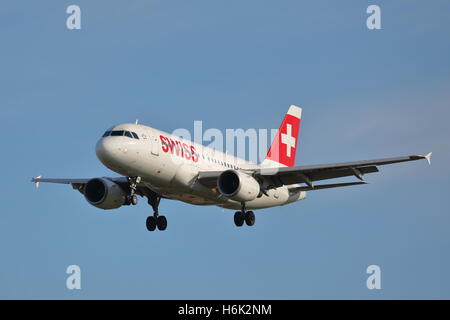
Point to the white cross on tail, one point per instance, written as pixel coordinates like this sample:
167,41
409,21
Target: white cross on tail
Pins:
288,139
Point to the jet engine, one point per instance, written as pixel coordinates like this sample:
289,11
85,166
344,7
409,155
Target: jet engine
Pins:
238,186
104,194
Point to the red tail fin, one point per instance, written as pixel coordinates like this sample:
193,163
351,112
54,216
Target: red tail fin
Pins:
284,147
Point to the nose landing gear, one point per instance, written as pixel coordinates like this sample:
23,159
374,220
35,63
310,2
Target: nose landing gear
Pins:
131,198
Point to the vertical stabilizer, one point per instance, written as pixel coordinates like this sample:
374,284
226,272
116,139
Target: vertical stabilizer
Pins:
284,147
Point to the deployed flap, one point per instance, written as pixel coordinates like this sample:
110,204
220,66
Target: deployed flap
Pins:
327,186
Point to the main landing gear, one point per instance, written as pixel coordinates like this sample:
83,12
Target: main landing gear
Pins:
244,216
155,221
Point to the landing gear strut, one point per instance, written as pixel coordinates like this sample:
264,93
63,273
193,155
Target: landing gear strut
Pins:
156,220
244,216
131,198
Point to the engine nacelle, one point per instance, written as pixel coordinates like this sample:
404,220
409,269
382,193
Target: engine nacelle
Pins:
238,186
104,194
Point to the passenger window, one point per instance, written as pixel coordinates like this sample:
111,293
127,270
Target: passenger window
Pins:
135,135
128,134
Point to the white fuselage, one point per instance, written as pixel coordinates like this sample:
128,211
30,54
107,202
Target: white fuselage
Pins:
172,170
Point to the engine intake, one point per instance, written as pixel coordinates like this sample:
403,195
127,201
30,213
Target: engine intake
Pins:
238,186
104,194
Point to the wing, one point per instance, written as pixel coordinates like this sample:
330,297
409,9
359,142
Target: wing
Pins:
39,179
271,178
308,174
79,184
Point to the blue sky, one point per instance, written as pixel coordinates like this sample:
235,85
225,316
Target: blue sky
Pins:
232,64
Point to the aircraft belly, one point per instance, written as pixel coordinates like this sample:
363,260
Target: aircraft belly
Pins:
200,195
196,196
275,197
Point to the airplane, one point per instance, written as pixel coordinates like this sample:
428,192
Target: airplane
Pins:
158,165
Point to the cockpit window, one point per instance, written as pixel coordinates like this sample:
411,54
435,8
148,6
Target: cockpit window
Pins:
117,133
121,133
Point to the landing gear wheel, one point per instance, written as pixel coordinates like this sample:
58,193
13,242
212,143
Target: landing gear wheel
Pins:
155,220
250,218
134,200
151,223
239,218
162,223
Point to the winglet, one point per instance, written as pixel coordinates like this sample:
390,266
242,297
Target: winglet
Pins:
36,181
428,157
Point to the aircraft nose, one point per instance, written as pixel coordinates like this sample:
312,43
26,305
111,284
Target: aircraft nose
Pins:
106,150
